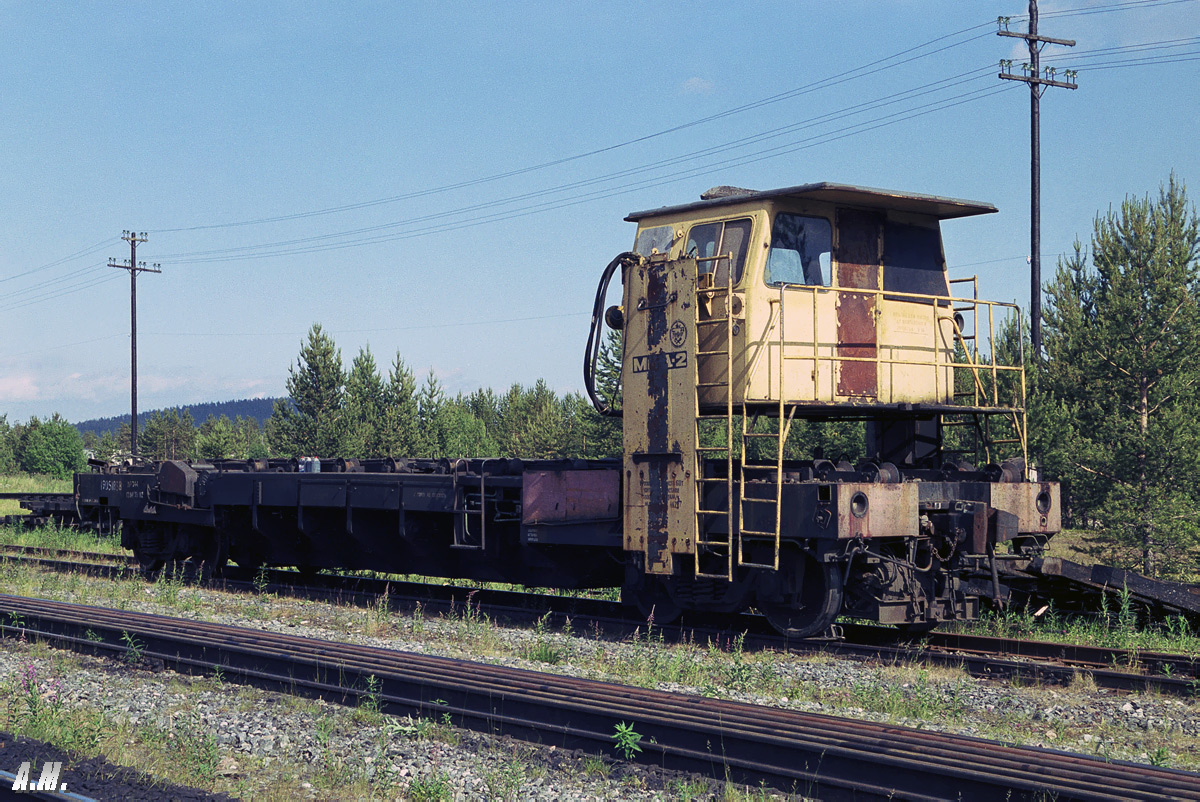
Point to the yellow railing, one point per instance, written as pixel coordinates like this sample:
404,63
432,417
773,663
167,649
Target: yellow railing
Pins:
956,322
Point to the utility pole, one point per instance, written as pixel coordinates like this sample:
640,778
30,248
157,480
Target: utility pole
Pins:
134,267
1032,74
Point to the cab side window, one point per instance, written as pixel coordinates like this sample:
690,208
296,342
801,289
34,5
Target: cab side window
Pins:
800,251
658,239
712,243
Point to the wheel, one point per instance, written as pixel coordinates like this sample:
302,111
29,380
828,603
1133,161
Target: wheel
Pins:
807,597
149,564
148,542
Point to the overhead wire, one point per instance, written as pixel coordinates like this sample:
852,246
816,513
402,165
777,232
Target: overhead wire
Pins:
853,74
88,251
308,244
357,237
870,68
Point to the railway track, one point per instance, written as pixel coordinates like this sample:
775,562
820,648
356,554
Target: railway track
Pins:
981,656
816,755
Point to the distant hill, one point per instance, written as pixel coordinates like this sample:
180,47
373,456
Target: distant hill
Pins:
259,408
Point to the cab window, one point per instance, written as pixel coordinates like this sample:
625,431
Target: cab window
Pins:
658,238
800,251
912,260
712,243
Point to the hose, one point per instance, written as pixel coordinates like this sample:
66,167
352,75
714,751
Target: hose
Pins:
592,352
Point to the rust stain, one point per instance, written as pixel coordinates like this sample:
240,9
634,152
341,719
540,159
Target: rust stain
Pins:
858,261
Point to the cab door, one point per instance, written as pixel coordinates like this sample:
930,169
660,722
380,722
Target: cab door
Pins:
859,265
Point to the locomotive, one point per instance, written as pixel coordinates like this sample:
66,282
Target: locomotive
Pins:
740,314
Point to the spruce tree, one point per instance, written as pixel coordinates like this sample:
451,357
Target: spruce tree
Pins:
364,405
399,424
310,422
1121,379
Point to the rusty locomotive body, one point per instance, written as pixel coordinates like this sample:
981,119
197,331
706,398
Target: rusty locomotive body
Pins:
740,315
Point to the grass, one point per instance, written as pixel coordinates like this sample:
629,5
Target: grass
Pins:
1114,626
29,483
53,536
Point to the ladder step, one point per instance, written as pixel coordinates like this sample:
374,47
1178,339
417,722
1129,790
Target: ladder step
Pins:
745,564
717,479
712,384
712,512
761,434
758,534
711,353
770,501
712,448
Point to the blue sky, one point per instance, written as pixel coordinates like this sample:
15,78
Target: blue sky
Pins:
452,176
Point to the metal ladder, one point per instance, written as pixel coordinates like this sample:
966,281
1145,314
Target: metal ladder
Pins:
773,472
706,540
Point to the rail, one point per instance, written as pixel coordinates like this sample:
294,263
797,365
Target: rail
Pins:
817,755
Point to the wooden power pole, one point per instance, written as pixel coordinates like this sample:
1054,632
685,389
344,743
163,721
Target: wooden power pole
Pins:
1038,80
134,267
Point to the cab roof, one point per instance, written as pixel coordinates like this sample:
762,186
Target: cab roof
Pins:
838,194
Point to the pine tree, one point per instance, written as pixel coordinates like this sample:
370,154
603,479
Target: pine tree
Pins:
252,444
602,432
400,423
168,434
364,405
1121,378
218,439
311,421
431,437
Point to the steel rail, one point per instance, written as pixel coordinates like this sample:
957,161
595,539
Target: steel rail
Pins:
981,656
11,549
817,755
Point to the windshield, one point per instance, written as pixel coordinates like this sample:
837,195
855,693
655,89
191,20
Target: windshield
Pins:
711,243
800,251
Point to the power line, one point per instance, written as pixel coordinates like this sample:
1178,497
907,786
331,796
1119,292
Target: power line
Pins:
357,237
64,345
456,324
58,293
77,255
853,74
870,68
309,244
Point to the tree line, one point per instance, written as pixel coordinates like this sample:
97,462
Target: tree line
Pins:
332,410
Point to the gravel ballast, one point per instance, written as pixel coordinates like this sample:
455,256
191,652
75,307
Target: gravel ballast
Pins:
262,744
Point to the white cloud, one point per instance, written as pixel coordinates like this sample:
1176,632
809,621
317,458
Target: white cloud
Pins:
697,86
18,388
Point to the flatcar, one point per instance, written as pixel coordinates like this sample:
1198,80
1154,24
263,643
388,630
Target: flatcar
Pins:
740,314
